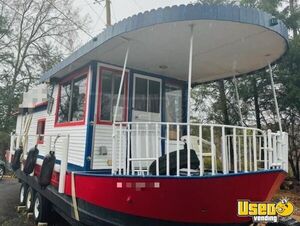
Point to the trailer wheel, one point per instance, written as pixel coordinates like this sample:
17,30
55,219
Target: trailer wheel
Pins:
22,194
29,199
40,209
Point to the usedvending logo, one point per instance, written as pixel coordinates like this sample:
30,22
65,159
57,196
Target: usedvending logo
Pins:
265,212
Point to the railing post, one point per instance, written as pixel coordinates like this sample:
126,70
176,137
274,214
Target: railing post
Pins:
157,148
177,149
234,151
128,149
63,165
201,152
213,156
188,150
12,146
275,149
239,153
285,153
254,151
270,148
120,149
265,151
147,140
113,170
224,154
167,151
245,151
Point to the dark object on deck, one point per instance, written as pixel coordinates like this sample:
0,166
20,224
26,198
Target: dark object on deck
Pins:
173,162
31,160
15,163
47,169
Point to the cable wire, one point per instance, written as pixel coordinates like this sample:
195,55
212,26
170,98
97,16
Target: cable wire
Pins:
78,26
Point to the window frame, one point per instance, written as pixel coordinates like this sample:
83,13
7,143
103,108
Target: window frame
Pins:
84,73
39,140
99,95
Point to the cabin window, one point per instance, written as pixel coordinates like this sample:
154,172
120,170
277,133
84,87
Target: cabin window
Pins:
40,130
110,82
147,95
173,107
72,100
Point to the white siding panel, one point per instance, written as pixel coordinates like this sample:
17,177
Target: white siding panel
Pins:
103,138
77,134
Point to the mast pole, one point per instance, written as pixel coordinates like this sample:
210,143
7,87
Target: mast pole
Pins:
108,13
275,97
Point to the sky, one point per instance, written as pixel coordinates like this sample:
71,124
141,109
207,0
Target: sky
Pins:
120,9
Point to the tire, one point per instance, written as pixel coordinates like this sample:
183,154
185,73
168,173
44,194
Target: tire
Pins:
2,171
41,209
29,199
22,194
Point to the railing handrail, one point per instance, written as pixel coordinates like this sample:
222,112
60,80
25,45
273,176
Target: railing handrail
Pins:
247,154
191,124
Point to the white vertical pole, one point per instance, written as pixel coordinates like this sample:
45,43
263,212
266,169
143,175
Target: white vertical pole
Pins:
120,148
238,100
254,151
245,151
116,109
167,150
189,100
265,151
234,151
177,148
275,98
213,150
201,152
128,148
63,165
121,84
224,155
270,149
157,148
12,146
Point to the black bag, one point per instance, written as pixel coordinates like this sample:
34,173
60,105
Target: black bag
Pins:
47,169
173,162
15,163
31,160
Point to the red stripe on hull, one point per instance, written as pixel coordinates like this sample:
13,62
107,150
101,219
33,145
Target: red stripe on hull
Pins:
54,178
196,200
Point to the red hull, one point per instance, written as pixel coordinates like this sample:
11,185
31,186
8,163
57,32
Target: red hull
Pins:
210,200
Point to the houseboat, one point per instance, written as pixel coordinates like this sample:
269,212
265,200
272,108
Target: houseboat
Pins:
115,117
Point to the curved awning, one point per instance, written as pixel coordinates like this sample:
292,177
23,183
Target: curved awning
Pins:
228,40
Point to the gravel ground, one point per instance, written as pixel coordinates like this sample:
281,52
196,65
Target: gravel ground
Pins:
9,192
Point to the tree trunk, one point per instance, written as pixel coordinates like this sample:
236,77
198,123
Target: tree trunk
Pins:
293,4
226,120
223,102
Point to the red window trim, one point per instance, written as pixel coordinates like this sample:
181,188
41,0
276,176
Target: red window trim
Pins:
79,73
104,122
40,141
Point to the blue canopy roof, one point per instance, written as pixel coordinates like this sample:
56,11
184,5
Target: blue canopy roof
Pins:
176,14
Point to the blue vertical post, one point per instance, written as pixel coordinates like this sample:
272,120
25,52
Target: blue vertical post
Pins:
91,115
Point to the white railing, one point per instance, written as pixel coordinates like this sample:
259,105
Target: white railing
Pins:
57,143
140,147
